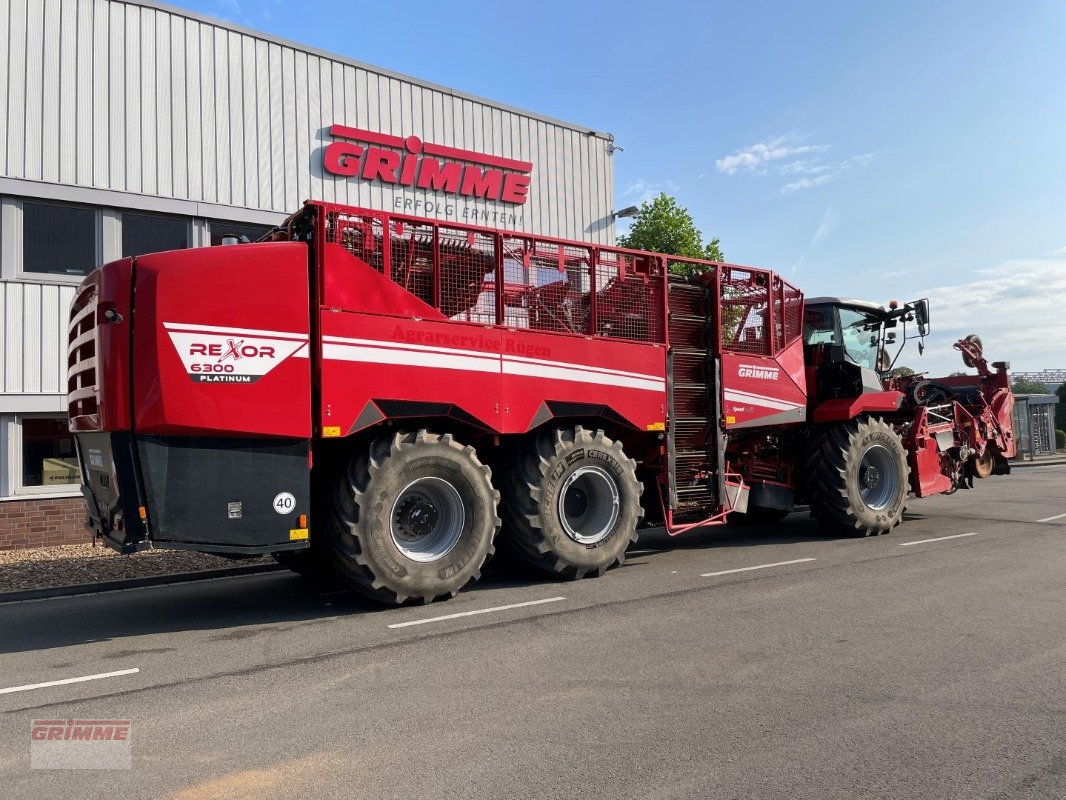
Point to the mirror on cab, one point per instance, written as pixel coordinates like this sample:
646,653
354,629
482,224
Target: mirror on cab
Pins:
921,315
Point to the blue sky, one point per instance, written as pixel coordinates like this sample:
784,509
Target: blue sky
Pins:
881,151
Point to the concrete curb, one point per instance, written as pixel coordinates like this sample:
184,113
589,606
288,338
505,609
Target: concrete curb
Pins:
1054,462
135,583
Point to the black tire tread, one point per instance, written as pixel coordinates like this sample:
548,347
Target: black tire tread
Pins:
522,512
347,505
828,458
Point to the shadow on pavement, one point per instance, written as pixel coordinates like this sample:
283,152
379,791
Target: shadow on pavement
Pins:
284,601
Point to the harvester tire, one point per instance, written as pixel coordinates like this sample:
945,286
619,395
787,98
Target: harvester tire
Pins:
412,517
572,503
857,477
982,467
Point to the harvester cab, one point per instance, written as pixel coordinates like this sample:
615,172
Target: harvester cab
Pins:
848,343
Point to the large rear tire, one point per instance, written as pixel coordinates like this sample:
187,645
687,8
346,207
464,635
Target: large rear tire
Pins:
572,503
857,477
414,517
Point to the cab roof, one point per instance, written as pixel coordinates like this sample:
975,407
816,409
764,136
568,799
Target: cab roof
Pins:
849,302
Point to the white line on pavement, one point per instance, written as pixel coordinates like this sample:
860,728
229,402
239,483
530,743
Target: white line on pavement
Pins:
474,613
1048,519
758,566
65,681
937,539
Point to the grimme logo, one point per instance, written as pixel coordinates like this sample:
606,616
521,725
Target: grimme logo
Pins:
226,358
80,744
762,373
412,162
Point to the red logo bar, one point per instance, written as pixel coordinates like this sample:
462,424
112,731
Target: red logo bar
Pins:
425,165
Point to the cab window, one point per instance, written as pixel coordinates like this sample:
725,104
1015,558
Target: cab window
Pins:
818,326
860,332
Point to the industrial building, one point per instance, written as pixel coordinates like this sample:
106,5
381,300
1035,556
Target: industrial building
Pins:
129,127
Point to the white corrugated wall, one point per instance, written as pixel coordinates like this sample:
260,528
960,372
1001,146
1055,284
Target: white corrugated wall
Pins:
33,329
118,96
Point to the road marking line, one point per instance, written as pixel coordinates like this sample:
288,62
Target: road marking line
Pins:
937,539
475,613
1048,519
759,566
65,681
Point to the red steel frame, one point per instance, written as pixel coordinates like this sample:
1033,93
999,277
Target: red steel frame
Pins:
387,241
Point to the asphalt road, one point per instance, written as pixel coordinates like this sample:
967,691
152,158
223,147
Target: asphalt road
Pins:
905,666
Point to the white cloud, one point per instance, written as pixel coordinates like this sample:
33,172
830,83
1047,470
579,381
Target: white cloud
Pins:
643,191
1016,309
804,167
808,183
860,160
830,220
754,156
813,170
822,172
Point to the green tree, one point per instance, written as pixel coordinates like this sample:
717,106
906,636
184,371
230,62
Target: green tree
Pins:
1025,386
898,372
664,226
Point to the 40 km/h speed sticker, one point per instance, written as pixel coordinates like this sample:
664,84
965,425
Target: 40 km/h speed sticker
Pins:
285,503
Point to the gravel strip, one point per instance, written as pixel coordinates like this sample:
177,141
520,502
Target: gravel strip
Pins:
82,563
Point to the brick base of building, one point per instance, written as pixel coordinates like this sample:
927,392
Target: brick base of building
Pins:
43,522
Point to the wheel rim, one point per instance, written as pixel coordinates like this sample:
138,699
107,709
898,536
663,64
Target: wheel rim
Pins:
427,519
878,477
982,467
588,505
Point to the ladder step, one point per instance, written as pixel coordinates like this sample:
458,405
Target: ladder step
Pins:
692,432
688,332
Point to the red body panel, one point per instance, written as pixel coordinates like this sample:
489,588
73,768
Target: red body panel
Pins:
100,366
500,377
764,390
220,341
850,407
925,456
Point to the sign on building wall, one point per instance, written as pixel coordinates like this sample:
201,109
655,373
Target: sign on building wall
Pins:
438,178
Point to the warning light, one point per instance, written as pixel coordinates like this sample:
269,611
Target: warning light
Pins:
303,521
893,304
143,512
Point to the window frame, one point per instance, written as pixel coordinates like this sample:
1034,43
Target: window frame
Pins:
210,221
13,440
190,228
19,245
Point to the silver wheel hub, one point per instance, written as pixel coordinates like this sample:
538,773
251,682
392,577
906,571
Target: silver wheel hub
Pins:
878,477
427,519
588,505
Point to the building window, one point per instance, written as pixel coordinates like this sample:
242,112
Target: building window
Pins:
49,460
150,233
220,228
58,239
